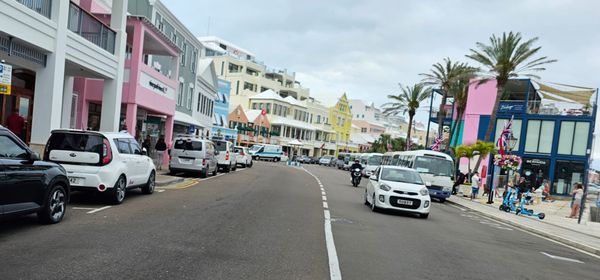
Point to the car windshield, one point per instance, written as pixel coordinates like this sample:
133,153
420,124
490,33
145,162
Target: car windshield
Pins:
255,148
188,145
78,142
374,160
435,166
221,146
401,175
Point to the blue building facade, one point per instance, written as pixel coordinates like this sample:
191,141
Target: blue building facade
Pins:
221,111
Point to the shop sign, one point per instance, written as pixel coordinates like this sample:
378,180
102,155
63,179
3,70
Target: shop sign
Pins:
511,107
537,162
5,78
156,86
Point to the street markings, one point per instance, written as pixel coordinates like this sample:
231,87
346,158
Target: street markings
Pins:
83,208
561,258
99,209
485,221
334,265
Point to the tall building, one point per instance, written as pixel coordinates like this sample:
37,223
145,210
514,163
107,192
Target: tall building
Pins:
341,122
44,45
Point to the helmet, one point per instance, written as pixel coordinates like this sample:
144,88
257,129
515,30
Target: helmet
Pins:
356,161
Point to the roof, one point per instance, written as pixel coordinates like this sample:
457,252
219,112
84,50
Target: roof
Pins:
185,118
252,114
294,101
268,94
290,122
222,41
362,138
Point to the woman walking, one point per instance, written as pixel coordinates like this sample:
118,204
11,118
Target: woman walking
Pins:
576,203
160,148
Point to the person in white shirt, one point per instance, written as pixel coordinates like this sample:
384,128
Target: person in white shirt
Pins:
475,181
576,203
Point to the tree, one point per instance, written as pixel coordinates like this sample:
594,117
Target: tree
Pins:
467,152
506,57
445,75
408,100
460,90
380,145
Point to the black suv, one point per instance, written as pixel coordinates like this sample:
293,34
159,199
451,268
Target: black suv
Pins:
28,184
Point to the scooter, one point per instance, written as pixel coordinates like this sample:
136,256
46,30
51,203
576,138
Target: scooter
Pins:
356,177
508,204
528,212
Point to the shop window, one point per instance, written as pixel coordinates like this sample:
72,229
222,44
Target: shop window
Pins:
573,138
180,94
567,174
539,136
268,108
516,130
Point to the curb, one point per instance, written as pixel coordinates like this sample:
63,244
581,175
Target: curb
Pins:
557,238
168,182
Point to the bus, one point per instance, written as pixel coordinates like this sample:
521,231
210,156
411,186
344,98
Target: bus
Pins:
370,162
435,168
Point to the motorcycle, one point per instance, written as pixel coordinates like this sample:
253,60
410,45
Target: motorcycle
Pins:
356,175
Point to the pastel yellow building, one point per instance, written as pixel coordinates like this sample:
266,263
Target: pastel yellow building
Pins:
340,118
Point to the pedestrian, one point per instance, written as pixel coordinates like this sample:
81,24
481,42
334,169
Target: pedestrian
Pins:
521,187
16,123
475,185
576,202
546,192
460,179
147,144
160,148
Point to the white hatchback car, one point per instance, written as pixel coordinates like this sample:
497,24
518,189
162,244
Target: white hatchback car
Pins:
398,188
227,157
243,156
108,162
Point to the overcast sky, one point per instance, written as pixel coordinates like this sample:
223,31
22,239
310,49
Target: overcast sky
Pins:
367,47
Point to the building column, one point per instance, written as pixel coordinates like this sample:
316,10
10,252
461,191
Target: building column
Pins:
131,118
67,101
113,89
49,82
169,134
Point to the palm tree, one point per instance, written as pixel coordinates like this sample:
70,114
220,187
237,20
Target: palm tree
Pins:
444,75
408,100
467,152
504,58
460,90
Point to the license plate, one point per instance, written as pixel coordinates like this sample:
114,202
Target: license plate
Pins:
188,161
75,180
404,202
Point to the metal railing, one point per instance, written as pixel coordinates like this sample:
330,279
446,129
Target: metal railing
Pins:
90,28
42,7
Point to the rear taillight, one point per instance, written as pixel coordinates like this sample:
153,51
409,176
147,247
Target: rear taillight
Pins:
227,155
242,154
203,161
106,152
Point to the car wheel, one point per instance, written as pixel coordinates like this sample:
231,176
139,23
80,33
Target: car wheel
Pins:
234,167
226,169
250,165
366,201
276,159
424,216
149,187
118,193
55,207
215,171
442,200
374,204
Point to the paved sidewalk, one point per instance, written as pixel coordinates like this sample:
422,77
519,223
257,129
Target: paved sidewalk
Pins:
584,236
163,179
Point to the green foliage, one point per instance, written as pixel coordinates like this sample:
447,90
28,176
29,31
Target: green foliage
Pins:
408,100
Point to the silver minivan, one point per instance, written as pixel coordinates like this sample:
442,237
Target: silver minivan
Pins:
193,155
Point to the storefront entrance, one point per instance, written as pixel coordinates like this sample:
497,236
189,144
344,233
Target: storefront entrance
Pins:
21,98
536,170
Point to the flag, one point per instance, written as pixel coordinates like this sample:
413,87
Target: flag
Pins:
437,143
504,136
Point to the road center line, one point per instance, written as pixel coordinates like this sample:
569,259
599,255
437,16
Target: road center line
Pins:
561,258
99,209
324,198
83,208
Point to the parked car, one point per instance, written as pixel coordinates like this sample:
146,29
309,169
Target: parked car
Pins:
314,160
227,157
243,156
398,188
303,159
325,160
29,185
190,154
106,162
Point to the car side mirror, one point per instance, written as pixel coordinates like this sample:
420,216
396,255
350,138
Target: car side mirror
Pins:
33,156
374,178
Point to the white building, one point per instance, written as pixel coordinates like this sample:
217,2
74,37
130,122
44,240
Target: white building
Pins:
206,93
47,44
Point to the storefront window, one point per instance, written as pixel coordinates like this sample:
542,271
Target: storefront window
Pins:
567,173
539,136
570,131
516,130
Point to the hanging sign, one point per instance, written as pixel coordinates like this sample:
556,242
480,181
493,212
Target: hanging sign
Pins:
5,78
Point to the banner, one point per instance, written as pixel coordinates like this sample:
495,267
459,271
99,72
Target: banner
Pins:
5,78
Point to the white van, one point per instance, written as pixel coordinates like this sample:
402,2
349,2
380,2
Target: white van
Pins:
190,154
226,155
266,151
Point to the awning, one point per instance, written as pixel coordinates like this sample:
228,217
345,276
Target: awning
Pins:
566,93
187,119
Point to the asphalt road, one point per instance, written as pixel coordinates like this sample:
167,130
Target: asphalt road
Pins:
266,222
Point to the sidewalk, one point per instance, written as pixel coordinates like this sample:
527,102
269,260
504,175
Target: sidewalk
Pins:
163,179
584,236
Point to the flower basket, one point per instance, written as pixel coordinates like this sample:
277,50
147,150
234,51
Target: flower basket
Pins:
508,162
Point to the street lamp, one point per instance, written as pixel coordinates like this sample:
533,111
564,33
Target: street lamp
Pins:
512,142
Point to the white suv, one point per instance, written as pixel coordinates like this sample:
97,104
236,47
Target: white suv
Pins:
108,162
243,156
226,156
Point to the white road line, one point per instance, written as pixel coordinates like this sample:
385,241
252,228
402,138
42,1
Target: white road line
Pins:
561,258
212,177
83,208
323,193
325,205
160,190
324,198
99,209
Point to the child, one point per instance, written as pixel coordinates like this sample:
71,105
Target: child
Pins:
474,185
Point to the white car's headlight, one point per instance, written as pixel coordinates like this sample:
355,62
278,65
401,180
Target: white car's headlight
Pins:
384,187
424,191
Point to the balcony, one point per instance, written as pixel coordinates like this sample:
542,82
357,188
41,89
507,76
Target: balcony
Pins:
42,7
90,28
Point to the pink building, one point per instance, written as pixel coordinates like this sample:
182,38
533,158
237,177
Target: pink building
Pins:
148,100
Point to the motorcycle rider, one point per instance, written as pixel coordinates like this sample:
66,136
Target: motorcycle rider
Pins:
355,165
